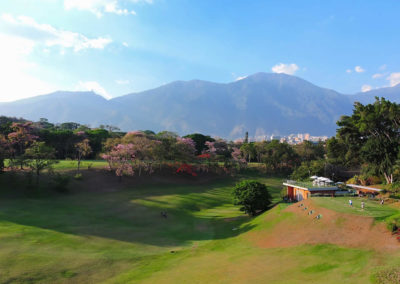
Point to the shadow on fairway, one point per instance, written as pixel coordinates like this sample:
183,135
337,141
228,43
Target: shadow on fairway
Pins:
194,213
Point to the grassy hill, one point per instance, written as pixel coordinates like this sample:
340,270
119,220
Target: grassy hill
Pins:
105,231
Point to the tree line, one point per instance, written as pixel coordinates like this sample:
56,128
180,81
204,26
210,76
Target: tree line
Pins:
366,142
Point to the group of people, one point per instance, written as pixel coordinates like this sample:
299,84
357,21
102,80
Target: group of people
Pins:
363,203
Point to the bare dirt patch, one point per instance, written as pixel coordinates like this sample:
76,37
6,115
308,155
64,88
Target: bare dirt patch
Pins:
333,228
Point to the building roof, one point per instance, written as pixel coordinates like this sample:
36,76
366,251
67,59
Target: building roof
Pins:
364,187
310,187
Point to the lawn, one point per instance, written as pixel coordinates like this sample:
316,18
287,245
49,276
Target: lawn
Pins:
373,208
73,164
120,237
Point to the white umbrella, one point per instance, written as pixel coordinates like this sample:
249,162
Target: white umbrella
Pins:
313,177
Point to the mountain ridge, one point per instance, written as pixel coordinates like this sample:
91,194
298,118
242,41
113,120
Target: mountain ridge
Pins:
262,104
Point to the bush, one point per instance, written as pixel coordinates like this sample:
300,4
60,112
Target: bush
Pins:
78,177
393,223
61,182
252,195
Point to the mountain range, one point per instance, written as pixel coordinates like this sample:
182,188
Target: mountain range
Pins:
263,103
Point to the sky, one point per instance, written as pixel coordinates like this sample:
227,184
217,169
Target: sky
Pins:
116,47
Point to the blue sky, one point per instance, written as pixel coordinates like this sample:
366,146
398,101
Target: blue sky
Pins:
115,47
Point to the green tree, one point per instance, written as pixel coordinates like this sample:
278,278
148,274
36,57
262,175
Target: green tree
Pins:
39,157
309,168
280,156
252,195
200,141
246,137
309,151
248,150
373,133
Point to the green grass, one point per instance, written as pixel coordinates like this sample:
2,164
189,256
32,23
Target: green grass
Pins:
72,164
373,208
120,237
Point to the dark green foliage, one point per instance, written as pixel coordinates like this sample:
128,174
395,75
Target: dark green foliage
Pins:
61,182
96,139
62,140
307,169
69,125
200,141
372,134
309,151
280,156
252,195
249,151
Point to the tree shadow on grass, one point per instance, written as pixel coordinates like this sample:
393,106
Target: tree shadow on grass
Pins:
133,215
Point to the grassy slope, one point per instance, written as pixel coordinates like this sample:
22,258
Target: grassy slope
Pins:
372,207
120,237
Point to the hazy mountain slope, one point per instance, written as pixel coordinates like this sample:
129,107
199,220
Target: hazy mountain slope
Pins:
389,93
62,106
261,104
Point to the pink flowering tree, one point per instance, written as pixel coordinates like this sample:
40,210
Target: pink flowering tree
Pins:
121,160
145,150
82,149
238,158
21,138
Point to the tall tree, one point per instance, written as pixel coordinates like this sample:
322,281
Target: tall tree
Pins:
21,138
83,149
373,133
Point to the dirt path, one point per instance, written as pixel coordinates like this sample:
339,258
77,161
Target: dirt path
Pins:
333,228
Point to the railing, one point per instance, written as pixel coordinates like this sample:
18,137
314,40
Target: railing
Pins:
308,184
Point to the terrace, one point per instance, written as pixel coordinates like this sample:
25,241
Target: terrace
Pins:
299,190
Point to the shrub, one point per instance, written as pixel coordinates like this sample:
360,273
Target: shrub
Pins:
61,182
252,195
374,180
393,223
78,177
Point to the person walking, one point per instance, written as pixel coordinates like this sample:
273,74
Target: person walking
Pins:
362,205
350,202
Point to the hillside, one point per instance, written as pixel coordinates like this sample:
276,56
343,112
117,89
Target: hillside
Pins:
262,104
105,231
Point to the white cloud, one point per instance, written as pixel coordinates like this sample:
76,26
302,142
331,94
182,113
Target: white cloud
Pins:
394,79
377,75
99,7
348,71
285,68
28,28
95,87
17,72
240,78
237,130
122,82
125,44
359,69
366,88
